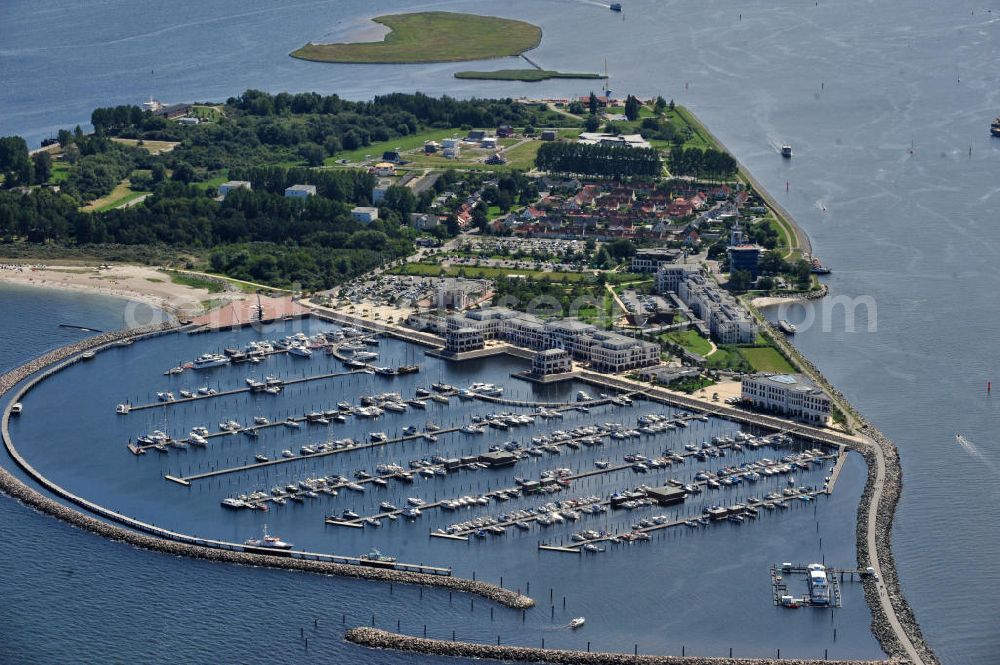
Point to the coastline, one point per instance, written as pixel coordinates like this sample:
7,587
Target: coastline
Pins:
126,281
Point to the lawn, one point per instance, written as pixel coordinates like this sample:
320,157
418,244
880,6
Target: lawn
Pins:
152,147
60,171
766,359
403,143
433,37
119,196
526,75
196,282
690,340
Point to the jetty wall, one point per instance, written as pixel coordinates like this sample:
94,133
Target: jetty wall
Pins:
152,538
381,639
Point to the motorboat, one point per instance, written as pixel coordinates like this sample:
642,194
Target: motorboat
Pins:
233,504
268,541
786,327
208,360
577,622
786,151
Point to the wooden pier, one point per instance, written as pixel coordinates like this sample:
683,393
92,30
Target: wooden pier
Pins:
245,389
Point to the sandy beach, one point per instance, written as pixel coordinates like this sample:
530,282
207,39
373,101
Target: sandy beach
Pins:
137,283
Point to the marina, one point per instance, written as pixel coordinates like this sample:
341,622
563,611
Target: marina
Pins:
416,483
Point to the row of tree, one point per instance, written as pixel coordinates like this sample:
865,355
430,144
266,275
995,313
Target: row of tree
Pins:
599,159
710,163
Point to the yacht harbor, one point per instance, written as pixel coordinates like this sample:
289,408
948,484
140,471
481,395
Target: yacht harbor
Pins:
461,466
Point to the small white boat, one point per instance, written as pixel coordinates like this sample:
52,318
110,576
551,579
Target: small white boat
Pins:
577,622
16,408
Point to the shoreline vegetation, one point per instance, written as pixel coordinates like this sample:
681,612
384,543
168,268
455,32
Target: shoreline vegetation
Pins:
424,37
530,75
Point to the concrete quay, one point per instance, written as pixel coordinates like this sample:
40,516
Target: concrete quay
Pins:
117,526
375,638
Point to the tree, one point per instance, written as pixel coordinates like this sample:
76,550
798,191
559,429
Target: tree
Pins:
671,105
591,124
592,103
660,104
740,281
15,165
632,108
312,154
603,259
42,167
576,108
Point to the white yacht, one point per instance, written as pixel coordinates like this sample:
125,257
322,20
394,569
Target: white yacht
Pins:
16,408
272,542
207,360
819,588
300,351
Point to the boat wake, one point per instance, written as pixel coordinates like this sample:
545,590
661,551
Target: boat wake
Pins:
973,451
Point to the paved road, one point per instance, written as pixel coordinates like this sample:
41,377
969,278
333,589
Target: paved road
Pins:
883,596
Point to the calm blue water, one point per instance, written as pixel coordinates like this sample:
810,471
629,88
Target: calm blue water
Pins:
85,452
853,86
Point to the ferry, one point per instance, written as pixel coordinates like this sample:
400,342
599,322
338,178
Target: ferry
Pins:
208,360
819,589
786,151
268,541
786,327
816,267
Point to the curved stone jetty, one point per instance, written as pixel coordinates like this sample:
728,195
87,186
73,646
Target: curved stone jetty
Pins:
376,638
180,544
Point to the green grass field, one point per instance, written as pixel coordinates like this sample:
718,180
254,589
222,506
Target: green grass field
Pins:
690,340
433,37
119,196
526,75
195,282
403,143
766,359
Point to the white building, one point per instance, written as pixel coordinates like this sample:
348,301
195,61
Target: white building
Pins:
727,321
651,260
460,340
457,294
627,140
364,214
605,351
227,187
791,395
300,191
611,352
551,361
424,222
